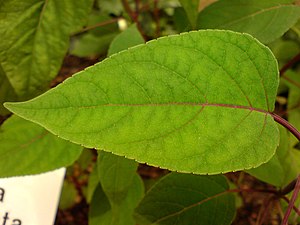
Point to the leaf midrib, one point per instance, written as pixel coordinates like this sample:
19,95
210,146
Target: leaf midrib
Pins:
221,105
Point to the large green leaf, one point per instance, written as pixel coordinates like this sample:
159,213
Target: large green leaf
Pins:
101,211
27,148
264,19
197,102
187,199
284,165
34,39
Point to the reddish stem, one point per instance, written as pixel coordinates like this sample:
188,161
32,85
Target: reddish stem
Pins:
294,207
287,125
292,202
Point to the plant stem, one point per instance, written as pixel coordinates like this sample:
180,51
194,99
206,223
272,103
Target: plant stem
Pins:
292,202
287,125
294,207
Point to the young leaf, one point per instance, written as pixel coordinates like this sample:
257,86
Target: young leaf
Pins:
283,167
102,213
116,174
197,102
187,199
27,148
264,19
34,39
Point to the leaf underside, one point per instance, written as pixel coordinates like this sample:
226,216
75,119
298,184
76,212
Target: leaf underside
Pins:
197,102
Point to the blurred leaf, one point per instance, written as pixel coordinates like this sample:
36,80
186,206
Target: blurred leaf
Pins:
35,38
102,213
180,20
27,148
187,199
92,183
264,19
7,92
294,99
191,7
284,50
116,174
128,38
68,196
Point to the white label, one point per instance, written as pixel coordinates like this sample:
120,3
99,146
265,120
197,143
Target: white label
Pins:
30,200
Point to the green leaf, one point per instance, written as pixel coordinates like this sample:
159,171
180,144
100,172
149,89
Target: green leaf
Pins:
35,37
116,174
283,167
102,213
187,199
27,148
197,102
7,92
128,38
264,19
191,8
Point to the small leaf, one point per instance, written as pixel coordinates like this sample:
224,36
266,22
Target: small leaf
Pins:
197,102
283,167
264,19
27,148
102,213
116,174
128,38
187,199
34,39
